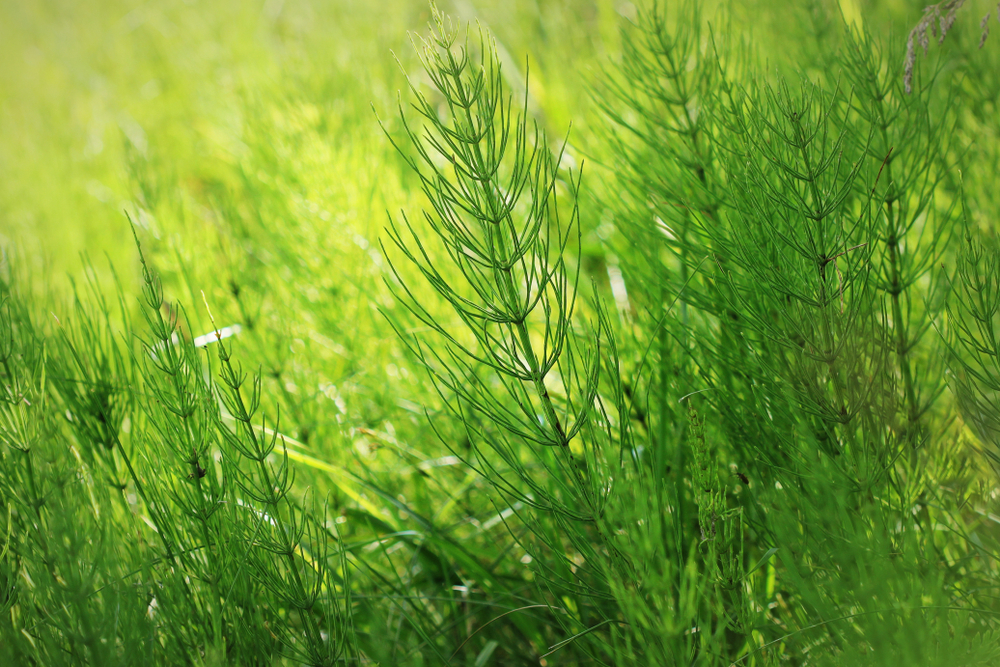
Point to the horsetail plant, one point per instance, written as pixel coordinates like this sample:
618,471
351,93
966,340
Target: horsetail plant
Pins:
823,205
974,341
207,560
543,405
494,189
757,462
253,542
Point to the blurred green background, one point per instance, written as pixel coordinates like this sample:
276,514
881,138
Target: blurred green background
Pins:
159,107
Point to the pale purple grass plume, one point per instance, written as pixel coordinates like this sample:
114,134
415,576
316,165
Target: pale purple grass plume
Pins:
939,18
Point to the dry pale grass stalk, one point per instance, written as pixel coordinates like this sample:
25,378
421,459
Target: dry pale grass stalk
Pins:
939,19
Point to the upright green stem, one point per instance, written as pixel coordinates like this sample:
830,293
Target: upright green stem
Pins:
269,484
499,217
822,260
892,218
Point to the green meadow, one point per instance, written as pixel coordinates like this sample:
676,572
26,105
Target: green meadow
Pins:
577,332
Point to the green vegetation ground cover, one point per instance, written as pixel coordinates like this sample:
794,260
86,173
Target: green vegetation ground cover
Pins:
533,333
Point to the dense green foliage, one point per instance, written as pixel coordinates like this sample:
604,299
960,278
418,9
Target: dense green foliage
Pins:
712,378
